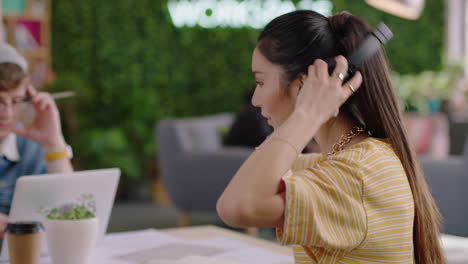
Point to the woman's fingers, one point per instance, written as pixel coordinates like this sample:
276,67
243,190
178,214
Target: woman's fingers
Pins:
310,71
341,69
352,85
324,93
321,69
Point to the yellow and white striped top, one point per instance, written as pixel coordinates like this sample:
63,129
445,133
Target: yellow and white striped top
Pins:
353,207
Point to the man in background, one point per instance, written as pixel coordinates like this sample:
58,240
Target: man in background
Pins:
34,146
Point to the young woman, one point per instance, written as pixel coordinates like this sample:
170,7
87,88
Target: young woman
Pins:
364,198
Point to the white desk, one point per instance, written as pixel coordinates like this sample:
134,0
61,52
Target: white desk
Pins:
203,232
124,244
208,242
456,248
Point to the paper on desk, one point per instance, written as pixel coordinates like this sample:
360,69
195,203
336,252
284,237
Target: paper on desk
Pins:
245,253
254,256
172,252
125,243
174,249
192,260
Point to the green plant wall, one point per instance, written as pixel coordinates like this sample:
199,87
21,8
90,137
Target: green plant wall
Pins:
417,45
139,69
131,67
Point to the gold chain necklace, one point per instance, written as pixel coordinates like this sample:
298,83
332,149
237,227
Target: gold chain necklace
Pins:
345,139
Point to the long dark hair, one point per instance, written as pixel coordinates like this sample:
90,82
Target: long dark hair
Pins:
296,39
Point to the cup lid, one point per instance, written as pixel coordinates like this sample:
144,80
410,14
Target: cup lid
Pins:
24,227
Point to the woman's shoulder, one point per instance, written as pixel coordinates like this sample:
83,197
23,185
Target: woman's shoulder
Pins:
305,161
367,147
354,156
371,151
362,153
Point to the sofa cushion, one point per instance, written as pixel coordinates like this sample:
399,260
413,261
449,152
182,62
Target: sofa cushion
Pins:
202,134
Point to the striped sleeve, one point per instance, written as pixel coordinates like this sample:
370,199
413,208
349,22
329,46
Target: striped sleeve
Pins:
324,206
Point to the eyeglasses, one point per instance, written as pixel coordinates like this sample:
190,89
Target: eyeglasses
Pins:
14,103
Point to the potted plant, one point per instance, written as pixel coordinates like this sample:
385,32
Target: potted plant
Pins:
424,92
71,231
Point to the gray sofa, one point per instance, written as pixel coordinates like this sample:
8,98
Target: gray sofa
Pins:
448,180
195,166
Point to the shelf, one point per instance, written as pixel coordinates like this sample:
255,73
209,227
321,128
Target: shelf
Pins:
31,17
21,28
37,53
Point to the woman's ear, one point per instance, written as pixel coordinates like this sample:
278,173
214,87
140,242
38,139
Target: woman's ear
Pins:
302,78
296,85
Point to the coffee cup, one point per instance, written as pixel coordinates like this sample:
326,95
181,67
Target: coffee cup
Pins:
24,242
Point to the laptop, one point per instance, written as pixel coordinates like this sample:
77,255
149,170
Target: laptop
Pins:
53,190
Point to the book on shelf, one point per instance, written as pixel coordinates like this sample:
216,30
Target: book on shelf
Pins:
27,34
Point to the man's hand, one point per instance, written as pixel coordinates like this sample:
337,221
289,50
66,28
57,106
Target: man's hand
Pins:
3,225
45,129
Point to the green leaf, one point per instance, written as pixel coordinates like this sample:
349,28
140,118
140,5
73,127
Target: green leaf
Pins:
85,210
